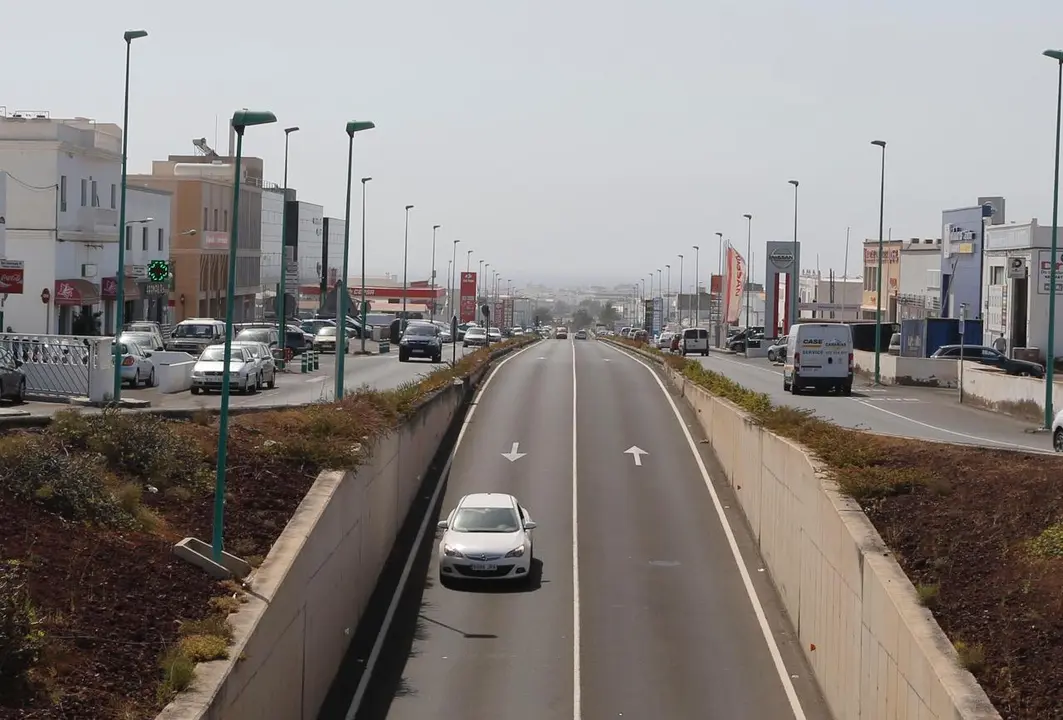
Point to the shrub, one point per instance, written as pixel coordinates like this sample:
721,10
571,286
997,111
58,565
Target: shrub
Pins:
21,634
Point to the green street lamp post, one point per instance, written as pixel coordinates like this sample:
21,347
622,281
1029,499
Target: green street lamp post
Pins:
354,126
405,257
116,393
881,251
242,119
452,302
282,310
363,314
1050,351
791,286
432,309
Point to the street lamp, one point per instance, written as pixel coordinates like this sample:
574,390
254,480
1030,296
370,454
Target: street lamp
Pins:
242,119
878,279
668,291
697,291
679,298
468,261
116,394
719,294
745,276
342,295
791,287
282,316
363,312
405,255
432,311
453,306
1050,351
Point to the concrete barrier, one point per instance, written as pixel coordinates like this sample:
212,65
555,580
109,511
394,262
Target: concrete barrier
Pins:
878,653
174,377
896,370
992,389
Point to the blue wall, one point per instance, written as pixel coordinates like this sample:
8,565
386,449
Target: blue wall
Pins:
961,273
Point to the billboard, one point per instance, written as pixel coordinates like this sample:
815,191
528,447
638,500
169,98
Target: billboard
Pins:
12,276
468,297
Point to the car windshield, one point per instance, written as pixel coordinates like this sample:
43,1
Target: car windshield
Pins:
475,331
423,330
193,330
218,354
326,331
136,337
253,335
486,520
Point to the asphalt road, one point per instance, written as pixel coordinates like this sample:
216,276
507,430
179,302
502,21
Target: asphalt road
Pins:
928,413
380,372
637,608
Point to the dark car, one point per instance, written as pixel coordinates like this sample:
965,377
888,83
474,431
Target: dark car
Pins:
12,379
990,356
421,339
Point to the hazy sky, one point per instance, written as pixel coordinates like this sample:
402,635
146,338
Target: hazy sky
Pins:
589,139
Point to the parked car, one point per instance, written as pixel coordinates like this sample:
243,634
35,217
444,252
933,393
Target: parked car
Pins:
325,340
145,340
1057,432
268,336
207,373
158,342
895,344
421,339
777,350
267,365
194,335
12,379
137,366
992,357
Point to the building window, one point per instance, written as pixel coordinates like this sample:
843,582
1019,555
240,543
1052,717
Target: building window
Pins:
114,196
225,219
62,193
215,218
95,195
160,239
129,238
144,239
205,226
996,275
84,192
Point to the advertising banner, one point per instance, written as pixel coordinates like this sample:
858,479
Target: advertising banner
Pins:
1044,274
736,281
468,297
658,315
647,316
507,312
12,276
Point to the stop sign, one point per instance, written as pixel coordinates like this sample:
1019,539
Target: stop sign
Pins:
46,295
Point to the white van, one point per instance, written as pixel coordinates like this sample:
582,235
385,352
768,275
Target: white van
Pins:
695,340
820,356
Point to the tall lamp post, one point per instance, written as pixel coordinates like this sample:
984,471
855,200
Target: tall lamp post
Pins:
697,291
1050,351
745,275
668,291
679,296
719,295
342,293
405,256
116,394
363,314
791,287
451,295
878,279
282,314
432,310
242,119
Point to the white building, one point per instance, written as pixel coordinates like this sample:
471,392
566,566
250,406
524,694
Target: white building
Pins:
829,298
919,284
62,213
1016,282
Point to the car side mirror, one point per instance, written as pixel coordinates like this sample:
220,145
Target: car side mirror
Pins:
442,524
530,525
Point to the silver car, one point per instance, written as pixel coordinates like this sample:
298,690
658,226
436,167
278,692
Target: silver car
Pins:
266,366
207,373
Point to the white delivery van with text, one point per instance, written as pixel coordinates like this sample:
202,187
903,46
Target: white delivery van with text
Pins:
819,356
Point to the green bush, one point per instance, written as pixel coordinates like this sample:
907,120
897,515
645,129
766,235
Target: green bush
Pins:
21,635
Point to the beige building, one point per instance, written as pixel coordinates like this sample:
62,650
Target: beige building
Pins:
202,188
891,278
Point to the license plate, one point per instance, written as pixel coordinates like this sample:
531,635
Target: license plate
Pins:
484,566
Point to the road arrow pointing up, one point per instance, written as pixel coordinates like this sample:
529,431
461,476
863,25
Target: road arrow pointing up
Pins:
636,452
514,455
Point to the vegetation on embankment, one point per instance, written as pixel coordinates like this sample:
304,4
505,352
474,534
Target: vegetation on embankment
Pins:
978,531
97,617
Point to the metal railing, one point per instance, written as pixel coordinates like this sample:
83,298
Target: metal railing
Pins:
55,365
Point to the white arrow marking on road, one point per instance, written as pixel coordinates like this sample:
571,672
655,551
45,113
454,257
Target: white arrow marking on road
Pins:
607,359
636,452
514,455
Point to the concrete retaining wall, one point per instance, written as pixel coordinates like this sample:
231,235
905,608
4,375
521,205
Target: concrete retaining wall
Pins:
896,370
310,592
879,654
174,377
1020,396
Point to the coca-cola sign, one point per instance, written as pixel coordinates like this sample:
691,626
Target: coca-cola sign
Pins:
12,276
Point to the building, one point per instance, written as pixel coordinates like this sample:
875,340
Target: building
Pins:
891,277
919,293
62,197
1017,279
829,298
202,189
962,262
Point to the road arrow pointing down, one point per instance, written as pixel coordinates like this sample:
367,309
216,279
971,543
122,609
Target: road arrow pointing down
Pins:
514,455
636,452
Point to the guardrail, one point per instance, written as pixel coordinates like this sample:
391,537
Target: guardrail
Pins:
59,366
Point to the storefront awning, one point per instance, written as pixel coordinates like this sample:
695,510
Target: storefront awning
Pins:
76,291
131,289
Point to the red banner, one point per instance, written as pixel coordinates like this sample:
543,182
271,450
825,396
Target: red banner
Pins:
736,283
12,276
468,297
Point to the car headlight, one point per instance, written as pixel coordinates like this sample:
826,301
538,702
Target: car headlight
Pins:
451,551
516,552
404,341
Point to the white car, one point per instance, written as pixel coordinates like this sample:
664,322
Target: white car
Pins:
486,537
243,370
1057,432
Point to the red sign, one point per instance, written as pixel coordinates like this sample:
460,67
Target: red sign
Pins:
468,297
109,288
11,277
716,284
46,295
412,293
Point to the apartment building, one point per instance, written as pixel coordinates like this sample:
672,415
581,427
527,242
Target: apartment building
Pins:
202,190
891,276
919,293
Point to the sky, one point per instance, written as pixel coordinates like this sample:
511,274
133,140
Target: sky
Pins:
588,141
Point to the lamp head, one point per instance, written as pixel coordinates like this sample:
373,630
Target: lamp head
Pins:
695,247
1054,54
358,126
366,179
409,207
290,130
880,143
747,216
131,35
245,118
719,235
436,227
793,182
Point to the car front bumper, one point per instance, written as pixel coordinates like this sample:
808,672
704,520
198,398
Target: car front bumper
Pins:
475,568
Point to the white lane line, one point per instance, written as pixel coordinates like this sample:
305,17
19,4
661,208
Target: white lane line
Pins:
577,711
975,438
758,608
389,616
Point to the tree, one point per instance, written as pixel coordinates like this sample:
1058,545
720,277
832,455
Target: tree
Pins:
581,319
591,306
544,314
608,316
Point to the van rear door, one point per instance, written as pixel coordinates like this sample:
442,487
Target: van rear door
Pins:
824,349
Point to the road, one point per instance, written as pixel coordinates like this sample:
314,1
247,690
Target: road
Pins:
636,609
380,372
928,413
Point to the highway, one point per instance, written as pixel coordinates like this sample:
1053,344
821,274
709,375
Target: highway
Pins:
637,607
928,413
380,372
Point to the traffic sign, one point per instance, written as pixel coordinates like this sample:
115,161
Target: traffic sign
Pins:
292,274
46,296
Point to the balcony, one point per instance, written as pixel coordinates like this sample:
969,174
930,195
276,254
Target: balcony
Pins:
92,225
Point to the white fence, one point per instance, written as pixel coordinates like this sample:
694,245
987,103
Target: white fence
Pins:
62,366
